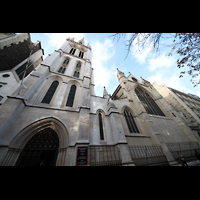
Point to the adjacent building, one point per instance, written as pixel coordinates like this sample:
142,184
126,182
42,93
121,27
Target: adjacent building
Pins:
186,105
16,50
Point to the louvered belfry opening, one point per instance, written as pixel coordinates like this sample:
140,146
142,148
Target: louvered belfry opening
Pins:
40,150
149,104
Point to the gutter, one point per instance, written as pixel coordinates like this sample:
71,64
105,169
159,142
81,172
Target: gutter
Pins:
8,36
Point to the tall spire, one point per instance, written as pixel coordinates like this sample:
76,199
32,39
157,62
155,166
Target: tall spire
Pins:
120,74
118,71
105,93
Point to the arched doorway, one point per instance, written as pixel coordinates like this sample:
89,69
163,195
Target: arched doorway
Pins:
40,150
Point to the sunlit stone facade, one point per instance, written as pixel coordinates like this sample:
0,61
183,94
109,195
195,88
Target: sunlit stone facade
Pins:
58,120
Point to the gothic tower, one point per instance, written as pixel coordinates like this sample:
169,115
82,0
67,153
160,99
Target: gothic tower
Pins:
55,101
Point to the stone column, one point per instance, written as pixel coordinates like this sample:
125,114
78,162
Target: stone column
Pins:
119,137
11,157
77,52
61,157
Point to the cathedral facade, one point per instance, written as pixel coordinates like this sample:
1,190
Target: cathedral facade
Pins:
57,120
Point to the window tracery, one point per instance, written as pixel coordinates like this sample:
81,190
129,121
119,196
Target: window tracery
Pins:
147,101
130,122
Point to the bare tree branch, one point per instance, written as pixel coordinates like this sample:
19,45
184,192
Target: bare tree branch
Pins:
186,45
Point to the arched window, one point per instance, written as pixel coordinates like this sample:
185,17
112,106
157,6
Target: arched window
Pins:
130,122
101,127
134,79
63,67
149,104
72,51
78,66
76,74
81,54
66,61
47,98
70,99
62,70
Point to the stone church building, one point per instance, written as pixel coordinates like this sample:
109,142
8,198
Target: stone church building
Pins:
57,120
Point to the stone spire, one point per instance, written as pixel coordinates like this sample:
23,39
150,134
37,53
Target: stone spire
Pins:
120,74
105,93
145,82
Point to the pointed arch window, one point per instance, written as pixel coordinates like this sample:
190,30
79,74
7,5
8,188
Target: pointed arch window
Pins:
72,51
47,98
71,96
81,54
62,70
76,74
130,122
149,104
101,127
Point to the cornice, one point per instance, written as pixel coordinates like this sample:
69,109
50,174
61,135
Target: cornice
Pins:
79,43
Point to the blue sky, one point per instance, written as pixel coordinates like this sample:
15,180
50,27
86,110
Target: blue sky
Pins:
107,56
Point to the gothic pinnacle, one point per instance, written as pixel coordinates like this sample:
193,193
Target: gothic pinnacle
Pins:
105,93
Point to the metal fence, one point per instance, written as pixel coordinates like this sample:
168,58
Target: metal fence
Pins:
104,155
148,155
187,149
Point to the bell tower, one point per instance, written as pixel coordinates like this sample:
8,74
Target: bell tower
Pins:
75,56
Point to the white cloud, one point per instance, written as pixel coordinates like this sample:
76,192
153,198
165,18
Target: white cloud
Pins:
198,93
158,78
102,52
140,54
172,81
164,74
57,39
160,62
177,83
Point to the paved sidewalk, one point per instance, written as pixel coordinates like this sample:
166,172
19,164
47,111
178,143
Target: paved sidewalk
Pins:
193,163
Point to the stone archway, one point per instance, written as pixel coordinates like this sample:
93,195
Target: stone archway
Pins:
19,142
40,150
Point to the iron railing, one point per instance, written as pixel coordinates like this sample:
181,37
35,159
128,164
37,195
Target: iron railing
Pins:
148,155
104,155
187,149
